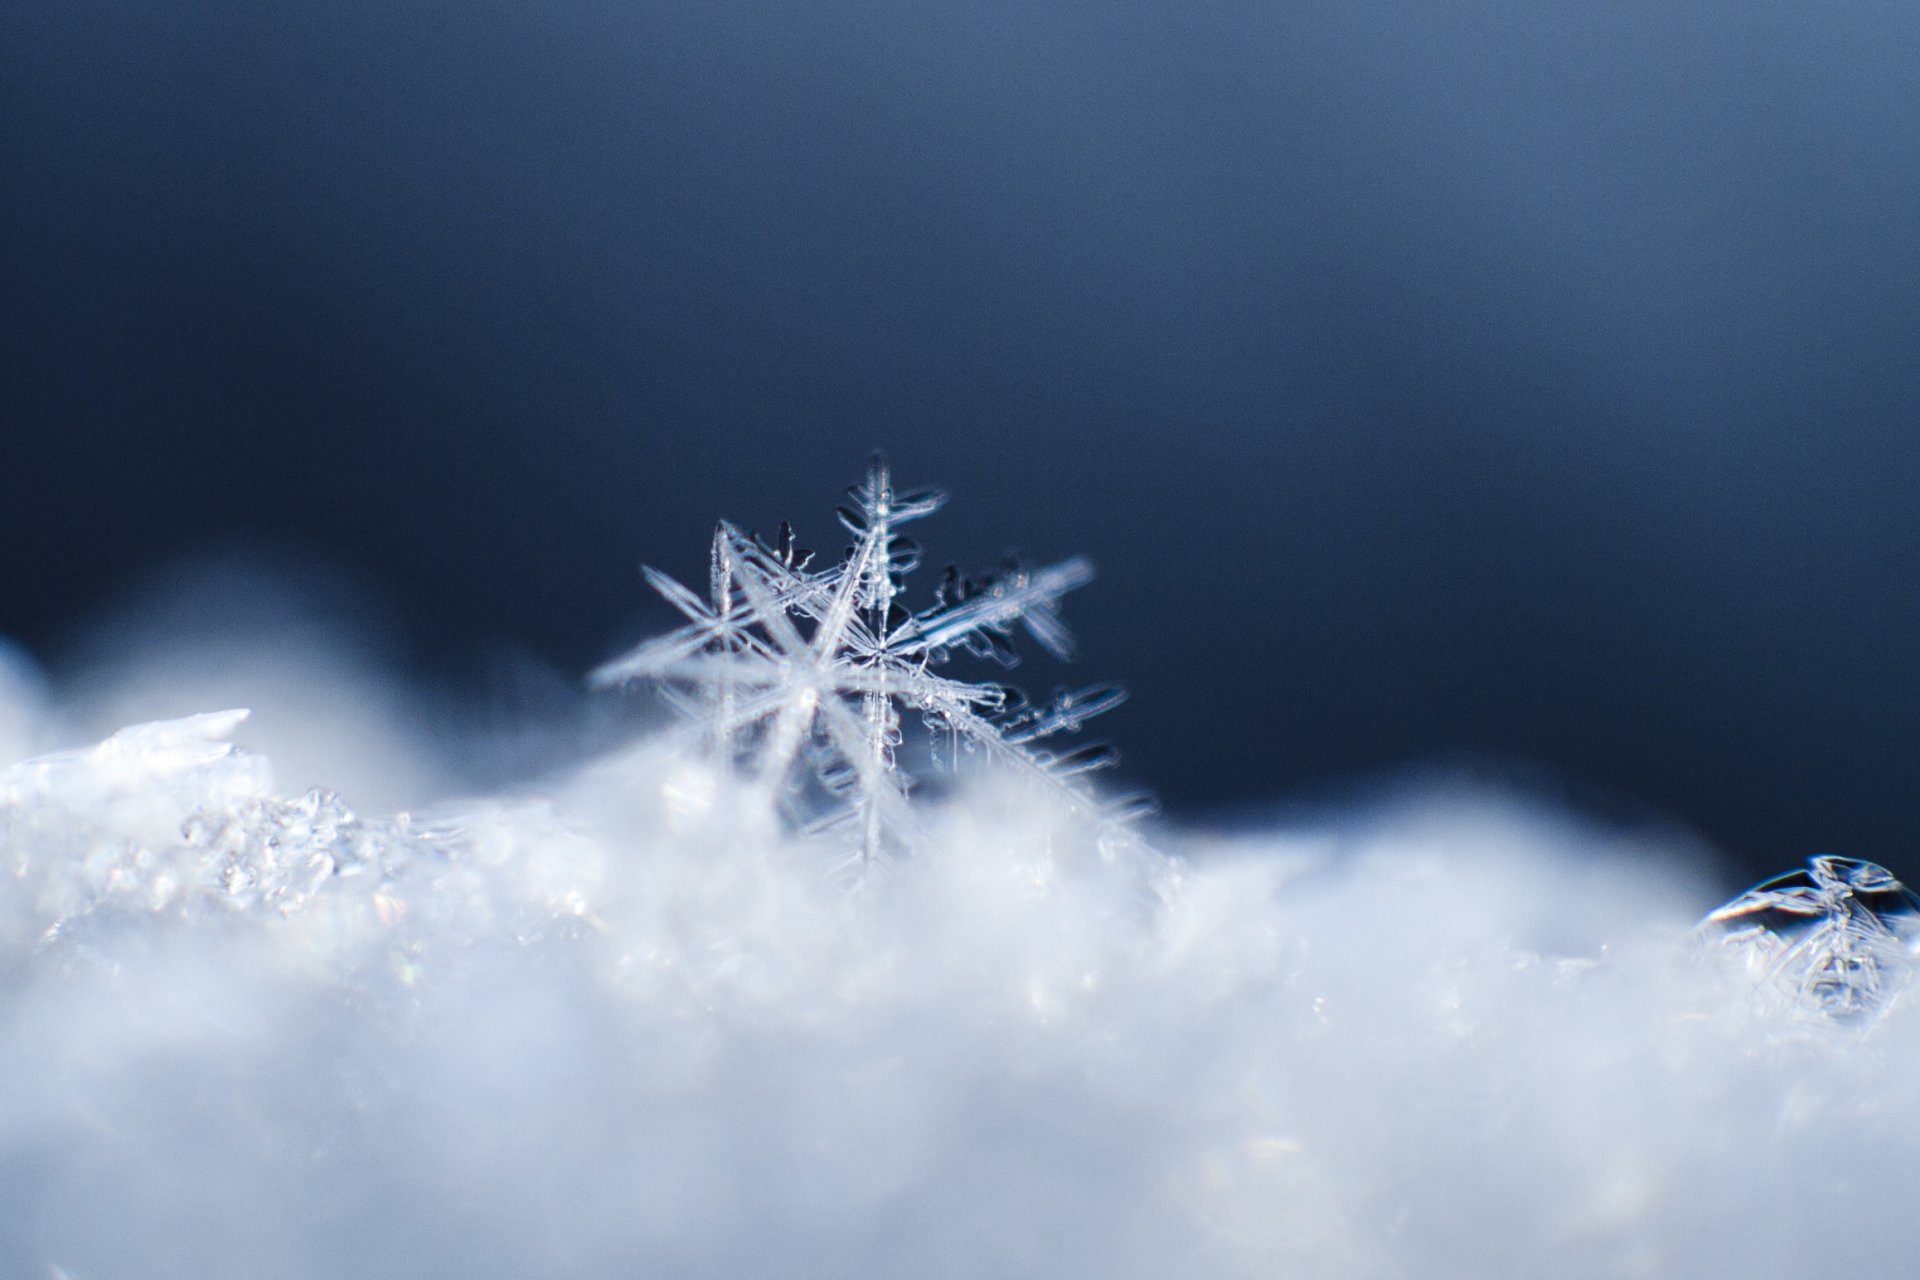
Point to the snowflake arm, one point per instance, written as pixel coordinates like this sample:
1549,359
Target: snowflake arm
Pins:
1030,599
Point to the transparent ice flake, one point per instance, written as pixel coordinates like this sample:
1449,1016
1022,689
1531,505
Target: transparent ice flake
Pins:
1840,937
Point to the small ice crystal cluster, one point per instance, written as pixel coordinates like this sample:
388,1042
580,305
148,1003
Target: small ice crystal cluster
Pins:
171,821
785,668
124,826
1839,938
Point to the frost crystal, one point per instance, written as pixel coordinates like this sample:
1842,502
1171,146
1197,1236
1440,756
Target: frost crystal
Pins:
1839,937
785,664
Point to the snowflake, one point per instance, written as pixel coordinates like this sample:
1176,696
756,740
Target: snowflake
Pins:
784,666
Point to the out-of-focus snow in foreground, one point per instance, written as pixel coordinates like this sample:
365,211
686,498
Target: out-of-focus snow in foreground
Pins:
623,1027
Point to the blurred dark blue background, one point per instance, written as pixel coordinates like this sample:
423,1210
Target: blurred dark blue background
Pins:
1490,380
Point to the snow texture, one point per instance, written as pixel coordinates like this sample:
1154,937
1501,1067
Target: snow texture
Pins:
627,1023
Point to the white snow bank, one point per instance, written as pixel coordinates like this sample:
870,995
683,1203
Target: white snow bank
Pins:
618,1029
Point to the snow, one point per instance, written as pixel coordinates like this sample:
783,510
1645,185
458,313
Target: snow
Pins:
625,1019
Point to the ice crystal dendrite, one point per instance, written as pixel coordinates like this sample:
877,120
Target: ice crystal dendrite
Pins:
1838,938
796,677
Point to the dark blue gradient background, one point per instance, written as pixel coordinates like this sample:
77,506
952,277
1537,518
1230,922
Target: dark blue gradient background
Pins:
1501,381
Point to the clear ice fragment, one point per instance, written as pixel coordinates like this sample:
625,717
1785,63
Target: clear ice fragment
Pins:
1839,938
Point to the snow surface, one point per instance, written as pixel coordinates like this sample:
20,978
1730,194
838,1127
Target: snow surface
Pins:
613,1024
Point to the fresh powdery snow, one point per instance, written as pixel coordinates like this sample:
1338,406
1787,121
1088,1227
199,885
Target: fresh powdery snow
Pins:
856,972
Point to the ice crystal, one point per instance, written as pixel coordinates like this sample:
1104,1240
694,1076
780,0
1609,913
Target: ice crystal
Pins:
280,853
786,665
98,828
1838,938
